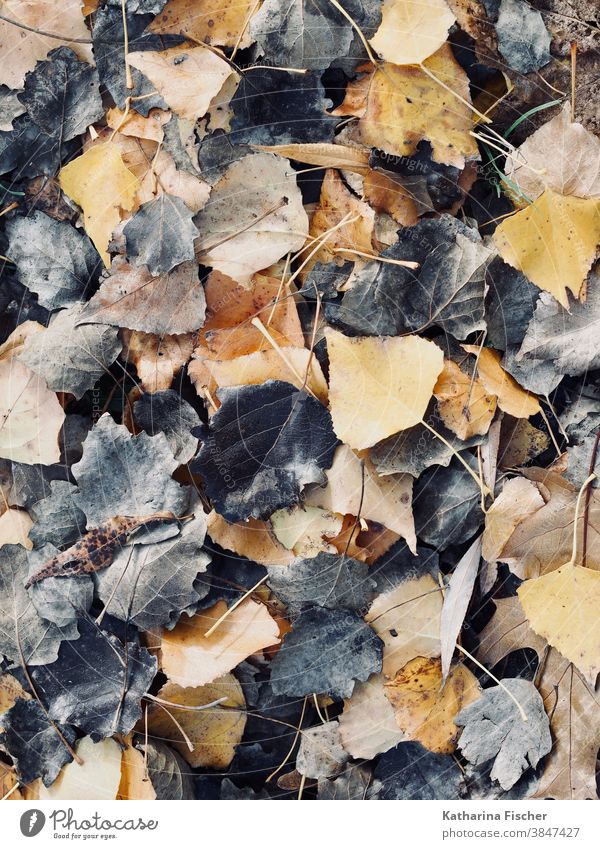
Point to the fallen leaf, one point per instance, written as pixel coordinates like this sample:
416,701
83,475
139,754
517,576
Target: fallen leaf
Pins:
157,357
394,376
214,734
425,707
191,659
407,618
398,106
411,772
135,784
511,398
252,539
495,728
321,754
305,530
560,606
161,235
31,416
523,39
518,500
221,22
456,602
14,528
367,723
102,186
273,221
167,771
463,403
411,30
562,155
97,776
186,77
553,242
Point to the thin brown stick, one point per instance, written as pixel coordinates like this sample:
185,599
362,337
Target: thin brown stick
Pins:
573,77
586,509
63,38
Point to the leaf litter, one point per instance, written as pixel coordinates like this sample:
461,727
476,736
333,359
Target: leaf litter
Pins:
299,418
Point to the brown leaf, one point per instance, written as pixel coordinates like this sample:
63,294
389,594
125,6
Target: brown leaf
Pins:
252,539
156,358
464,405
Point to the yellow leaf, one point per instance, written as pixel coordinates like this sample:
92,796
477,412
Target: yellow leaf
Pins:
135,783
386,499
30,415
511,398
305,529
518,500
399,106
553,242
214,734
102,186
219,22
463,403
424,712
407,618
379,386
97,778
187,78
411,30
190,659
562,607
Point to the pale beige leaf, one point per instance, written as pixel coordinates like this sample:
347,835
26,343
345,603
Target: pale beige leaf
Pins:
187,78
156,358
214,734
22,48
135,783
100,183
340,156
14,528
379,386
411,30
97,777
321,754
424,709
252,539
562,607
30,416
519,499
305,530
386,499
367,724
553,242
191,659
511,397
407,618
561,155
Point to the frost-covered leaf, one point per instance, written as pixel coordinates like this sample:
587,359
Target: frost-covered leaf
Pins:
96,683
161,234
136,471
57,519
523,39
167,412
328,580
70,356
264,444
53,259
349,651
495,728
33,742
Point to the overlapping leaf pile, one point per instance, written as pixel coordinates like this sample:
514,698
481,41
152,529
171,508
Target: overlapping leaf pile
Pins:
299,401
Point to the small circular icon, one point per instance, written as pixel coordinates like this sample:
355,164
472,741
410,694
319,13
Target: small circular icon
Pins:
32,822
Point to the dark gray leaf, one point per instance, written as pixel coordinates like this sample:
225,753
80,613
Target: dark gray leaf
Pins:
62,95
447,505
352,784
415,449
277,107
21,626
53,259
494,728
131,297
326,279
124,475
32,151
579,459
509,304
170,775
399,564
302,33
231,792
328,580
326,652
71,357
411,772
167,412
150,585
446,290
538,376
161,234
570,339
265,443
33,743
96,683
523,40
57,519
32,483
